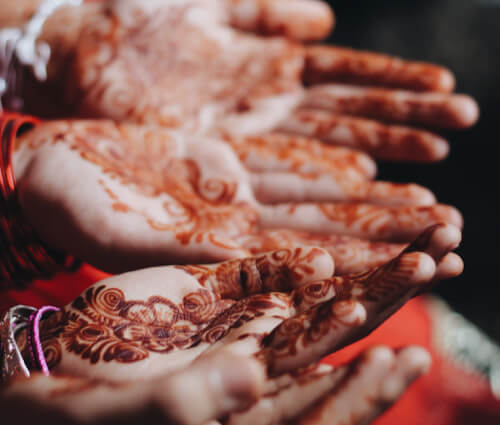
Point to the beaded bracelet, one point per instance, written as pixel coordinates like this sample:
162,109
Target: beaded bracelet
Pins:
23,256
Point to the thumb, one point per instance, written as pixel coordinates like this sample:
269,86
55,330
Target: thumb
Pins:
210,388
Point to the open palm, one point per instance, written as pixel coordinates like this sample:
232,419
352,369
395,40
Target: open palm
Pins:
127,196
239,67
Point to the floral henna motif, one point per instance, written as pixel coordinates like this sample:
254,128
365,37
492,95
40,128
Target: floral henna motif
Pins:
102,325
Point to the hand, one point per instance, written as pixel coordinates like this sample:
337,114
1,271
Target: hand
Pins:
216,386
282,307
358,393
123,197
212,66
120,331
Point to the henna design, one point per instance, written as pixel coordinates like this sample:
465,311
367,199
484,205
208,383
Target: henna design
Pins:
129,48
427,109
275,271
326,64
102,325
304,156
390,142
144,159
351,255
338,303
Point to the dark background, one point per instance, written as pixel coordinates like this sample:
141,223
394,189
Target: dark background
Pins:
463,35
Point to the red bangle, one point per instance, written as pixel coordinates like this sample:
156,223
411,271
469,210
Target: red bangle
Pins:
23,256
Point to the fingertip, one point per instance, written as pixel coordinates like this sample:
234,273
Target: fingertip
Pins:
447,236
327,264
421,195
465,109
440,149
311,264
416,359
445,81
367,165
450,215
415,268
450,266
380,355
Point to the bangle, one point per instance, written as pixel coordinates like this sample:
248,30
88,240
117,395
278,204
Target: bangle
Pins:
15,320
23,256
12,362
34,342
20,47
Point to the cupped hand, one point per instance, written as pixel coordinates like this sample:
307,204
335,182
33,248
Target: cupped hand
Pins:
240,67
122,197
281,308
354,394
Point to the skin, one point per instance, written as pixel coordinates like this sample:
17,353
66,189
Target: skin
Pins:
249,73
265,307
127,196
69,400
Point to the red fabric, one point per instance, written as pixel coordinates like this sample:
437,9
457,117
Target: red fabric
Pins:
447,395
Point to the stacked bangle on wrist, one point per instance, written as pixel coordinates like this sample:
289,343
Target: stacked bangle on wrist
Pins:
14,321
23,256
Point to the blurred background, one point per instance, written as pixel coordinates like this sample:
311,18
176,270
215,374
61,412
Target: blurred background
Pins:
463,35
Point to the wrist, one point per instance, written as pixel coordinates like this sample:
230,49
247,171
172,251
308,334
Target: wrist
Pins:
23,255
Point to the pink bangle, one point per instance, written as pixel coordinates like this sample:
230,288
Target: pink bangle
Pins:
35,344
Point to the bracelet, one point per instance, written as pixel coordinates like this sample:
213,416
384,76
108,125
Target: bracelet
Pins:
34,342
15,320
12,362
20,47
23,256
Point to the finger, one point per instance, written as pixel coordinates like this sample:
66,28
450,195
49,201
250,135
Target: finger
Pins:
280,187
216,385
410,266
437,241
371,384
295,19
359,303
289,395
373,222
351,255
336,64
276,271
450,266
276,152
427,109
382,141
